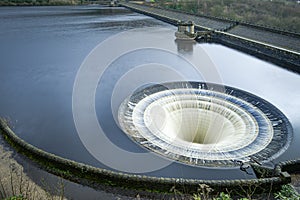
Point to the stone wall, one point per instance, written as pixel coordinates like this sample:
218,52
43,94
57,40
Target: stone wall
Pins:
89,175
281,57
276,46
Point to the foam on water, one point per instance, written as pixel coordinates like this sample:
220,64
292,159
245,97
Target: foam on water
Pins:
198,124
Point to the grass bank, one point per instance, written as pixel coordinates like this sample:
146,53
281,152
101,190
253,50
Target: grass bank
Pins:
280,14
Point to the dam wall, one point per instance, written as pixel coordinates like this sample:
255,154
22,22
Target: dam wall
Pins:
281,57
276,46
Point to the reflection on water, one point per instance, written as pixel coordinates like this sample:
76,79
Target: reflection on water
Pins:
43,47
185,46
41,51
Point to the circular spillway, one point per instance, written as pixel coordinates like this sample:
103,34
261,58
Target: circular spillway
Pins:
204,124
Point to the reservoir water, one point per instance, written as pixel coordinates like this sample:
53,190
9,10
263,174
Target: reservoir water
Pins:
43,48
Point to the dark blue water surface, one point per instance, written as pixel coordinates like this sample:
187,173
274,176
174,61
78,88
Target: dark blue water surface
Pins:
42,48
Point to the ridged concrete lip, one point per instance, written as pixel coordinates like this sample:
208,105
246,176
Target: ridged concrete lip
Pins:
77,170
165,118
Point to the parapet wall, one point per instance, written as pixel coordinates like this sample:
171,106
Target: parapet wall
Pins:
271,29
235,23
225,20
281,57
89,175
274,53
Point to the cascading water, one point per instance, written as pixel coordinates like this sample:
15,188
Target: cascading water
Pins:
204,124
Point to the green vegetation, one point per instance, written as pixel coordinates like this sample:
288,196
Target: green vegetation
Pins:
14,185
205,193
281,14
20,197
287,192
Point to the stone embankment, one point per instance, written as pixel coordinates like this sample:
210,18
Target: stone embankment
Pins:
277,46
281,39
89,175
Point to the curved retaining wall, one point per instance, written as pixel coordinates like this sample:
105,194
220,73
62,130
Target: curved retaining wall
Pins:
89,175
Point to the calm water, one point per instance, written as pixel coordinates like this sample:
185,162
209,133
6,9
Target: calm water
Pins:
42,49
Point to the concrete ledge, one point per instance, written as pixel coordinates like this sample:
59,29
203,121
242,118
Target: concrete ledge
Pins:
232,22
285,58
281,57
89,175
271,29
289,166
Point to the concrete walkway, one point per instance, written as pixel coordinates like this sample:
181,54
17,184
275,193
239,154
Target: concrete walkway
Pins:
282,39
